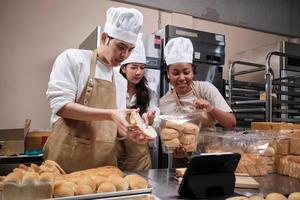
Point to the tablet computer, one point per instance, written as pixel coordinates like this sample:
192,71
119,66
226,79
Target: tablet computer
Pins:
209,173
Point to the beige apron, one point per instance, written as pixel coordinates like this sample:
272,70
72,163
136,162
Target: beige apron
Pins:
76,145
206,120
133,156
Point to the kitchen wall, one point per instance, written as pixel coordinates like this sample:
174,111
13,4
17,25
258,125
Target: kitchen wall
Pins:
34,32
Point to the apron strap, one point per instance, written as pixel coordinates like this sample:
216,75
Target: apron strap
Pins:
90,83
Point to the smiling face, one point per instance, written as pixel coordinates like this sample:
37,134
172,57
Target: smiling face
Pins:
181,76
134,72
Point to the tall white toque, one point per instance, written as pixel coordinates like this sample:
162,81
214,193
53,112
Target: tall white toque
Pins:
138,54
123,23
179,50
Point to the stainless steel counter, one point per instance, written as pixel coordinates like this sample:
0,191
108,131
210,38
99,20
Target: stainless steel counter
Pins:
165,186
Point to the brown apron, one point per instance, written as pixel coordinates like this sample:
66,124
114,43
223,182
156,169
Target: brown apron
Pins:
76,145
132,156
206,120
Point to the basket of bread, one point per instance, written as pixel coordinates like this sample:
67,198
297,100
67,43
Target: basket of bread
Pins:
179,129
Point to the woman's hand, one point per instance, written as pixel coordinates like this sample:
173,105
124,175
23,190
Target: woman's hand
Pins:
148,117
180,152
137,136
202,104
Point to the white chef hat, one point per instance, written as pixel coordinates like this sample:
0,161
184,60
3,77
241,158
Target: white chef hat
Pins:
123,23
138,53
179,50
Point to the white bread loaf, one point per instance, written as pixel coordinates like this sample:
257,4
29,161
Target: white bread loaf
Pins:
120,183
136,181
106,187
136,120
294,196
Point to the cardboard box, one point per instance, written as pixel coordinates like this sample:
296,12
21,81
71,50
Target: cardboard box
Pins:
12,140
274,126
35,140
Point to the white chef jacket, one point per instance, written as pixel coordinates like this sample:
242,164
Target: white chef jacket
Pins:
208,91
69,77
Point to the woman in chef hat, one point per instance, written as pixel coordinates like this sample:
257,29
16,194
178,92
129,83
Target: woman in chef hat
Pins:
187,95
88,99
135,157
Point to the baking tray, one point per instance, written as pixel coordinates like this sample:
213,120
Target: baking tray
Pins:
106,195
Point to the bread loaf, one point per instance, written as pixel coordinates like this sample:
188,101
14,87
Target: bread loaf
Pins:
107,187
168,134
275,196
87,180
294,196
64,190
83,189
98,179
174,125
190,128
171,143
187,139
256,198
136,120
120,183
136,182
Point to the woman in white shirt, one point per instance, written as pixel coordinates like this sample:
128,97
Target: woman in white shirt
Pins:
135,157
187,95
88,100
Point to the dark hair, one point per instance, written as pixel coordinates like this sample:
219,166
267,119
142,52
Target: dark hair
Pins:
142,93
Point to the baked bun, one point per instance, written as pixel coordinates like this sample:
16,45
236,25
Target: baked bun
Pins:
237,198
190,128
168,134
46,176
14,177
275,196
120,183
30,177
256,198
64,190
294,196
87,181
136,120
174,125
136,181
98,180
171,143
190,147
83,189
107,187
108,170
187,139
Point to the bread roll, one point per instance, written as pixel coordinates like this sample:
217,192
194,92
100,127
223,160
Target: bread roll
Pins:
275,196
15,177
120,183
256,198
107,187
190,147
136,120
187,139
83,189
171,143
108,170
136,181
174,125
87,181
270,151
190,128
237,198
99,179
168,134
30,177
64,190
46,176
294,196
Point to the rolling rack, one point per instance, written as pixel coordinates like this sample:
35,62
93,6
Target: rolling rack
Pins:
244,96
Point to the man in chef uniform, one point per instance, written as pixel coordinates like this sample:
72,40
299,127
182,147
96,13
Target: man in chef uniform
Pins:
88,97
